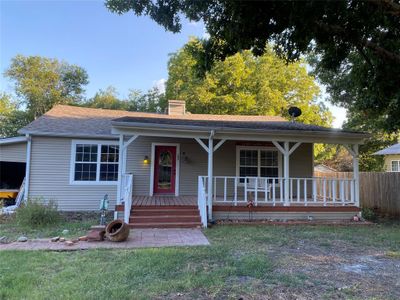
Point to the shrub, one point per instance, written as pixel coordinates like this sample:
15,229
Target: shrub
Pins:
368,214
37,213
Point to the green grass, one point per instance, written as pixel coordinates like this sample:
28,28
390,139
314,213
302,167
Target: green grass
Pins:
242,261
12,230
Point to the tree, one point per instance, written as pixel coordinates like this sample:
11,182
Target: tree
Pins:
11,119
244,84
43,82
338,31
107,99
152,101
351,82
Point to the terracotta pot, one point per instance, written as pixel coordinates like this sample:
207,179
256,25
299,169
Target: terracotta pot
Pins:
117,231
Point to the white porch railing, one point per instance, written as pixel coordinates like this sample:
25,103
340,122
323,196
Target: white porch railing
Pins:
127,183
315,191
202,200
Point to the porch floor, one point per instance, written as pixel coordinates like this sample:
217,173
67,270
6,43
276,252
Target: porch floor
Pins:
164,200
191,200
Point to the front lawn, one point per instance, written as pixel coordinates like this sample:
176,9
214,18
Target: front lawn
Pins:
12,230
249,262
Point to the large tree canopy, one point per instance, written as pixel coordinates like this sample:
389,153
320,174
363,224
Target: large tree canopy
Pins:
337,31
43,82
244,84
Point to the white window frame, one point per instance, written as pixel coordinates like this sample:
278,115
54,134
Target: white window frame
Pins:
99,143
398,165
258,148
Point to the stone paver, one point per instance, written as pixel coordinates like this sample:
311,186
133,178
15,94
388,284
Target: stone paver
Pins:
138,238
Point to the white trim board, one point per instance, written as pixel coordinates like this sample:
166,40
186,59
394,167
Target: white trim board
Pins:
13,140
178,163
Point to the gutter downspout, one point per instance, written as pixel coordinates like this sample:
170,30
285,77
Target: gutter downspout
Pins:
27,166
210,172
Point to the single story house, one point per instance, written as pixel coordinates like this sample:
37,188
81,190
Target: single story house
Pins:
391,158
182,169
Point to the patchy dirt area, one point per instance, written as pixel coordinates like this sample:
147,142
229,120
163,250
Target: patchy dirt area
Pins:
339,271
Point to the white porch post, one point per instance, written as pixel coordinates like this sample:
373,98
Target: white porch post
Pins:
286,151
286,171
356,175
120,167
210,151
210,174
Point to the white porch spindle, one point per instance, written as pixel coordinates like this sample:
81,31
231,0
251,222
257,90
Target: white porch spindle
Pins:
225,179
314,184
333,190
298,190
273,192
305,192
341,187
256,192
235,196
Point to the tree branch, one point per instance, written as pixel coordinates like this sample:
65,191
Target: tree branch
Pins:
343,33
390,6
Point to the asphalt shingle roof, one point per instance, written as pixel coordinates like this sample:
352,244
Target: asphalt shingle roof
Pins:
65,120
394,149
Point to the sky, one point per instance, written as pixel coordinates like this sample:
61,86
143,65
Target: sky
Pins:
124,51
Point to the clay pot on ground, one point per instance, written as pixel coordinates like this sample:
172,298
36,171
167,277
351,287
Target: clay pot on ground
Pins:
117,231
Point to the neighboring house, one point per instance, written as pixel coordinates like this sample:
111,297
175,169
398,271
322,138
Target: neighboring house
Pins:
77,155
391,157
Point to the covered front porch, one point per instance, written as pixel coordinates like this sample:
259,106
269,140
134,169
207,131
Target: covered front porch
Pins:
223,167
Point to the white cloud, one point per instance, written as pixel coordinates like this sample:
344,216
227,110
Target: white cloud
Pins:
340,115
160,84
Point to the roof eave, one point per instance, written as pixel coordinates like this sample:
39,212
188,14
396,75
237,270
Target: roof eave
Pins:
69,135
357,137
13,140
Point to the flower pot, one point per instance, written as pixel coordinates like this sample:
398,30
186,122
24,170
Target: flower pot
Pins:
117,231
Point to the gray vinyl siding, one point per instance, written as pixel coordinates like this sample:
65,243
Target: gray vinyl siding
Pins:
50,169
15,152
50,177
301,163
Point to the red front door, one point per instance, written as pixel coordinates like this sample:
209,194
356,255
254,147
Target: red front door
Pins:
164,169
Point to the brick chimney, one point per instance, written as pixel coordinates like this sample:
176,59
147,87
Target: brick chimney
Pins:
176,107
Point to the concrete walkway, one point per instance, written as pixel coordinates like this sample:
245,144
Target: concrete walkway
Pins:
138,238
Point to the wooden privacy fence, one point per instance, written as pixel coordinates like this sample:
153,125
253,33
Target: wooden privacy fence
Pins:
378,190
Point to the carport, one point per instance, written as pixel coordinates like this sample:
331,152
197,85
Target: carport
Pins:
12,167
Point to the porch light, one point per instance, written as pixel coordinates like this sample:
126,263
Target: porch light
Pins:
146,160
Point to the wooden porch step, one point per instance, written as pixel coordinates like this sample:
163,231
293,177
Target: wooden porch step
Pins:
158,207
164,219
170,216
166,225
161,212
